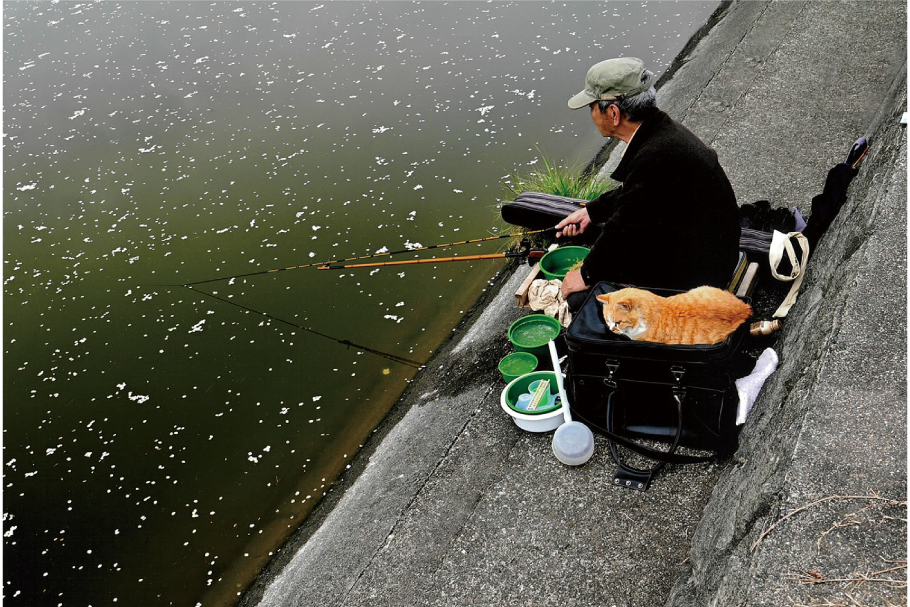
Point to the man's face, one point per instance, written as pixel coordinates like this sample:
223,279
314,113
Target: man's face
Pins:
604,122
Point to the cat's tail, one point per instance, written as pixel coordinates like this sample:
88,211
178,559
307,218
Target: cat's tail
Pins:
732,309
740,312
723,305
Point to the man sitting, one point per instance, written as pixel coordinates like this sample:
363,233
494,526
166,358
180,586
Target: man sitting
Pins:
673,222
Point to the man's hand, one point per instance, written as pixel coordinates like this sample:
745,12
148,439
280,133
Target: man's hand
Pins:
574,224
573,283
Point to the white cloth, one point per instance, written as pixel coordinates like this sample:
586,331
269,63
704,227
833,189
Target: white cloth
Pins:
546,295
748,387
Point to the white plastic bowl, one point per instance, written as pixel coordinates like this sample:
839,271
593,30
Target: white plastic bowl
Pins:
543,422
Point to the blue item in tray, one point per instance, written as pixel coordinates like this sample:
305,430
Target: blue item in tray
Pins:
526,400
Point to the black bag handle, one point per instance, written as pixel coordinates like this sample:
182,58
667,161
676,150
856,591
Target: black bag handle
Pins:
667,456
679,394
637,478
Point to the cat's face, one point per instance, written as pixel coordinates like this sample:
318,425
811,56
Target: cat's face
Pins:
621,315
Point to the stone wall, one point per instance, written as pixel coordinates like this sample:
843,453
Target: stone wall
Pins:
825,445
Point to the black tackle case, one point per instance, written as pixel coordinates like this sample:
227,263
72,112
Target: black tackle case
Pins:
538,210
682,395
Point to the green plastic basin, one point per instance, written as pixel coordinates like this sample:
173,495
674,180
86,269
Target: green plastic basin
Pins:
522,385
517,364
531,333
557,263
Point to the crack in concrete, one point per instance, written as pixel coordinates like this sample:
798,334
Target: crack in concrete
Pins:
417,494
720,68
758,72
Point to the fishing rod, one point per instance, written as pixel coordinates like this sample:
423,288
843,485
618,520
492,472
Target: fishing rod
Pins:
322,264
525,252
393,357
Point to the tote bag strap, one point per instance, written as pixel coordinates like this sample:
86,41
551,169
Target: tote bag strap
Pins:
663,457
781,243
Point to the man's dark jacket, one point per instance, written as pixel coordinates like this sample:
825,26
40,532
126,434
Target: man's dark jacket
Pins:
674,221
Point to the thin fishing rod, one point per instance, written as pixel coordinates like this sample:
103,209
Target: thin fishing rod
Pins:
324,263
344,342
532,254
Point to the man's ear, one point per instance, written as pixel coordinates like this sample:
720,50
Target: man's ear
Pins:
615,115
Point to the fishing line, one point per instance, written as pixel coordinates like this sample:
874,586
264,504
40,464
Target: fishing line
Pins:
326,263
344,342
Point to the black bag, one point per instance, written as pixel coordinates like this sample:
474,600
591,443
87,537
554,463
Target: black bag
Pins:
682,395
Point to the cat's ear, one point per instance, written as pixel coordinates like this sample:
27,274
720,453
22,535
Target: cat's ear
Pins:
605,298
625,304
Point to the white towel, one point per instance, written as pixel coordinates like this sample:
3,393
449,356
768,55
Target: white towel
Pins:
748,387
546,295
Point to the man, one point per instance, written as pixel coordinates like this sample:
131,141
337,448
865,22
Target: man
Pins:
673,222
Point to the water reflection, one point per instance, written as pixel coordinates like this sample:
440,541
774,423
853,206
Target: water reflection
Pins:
158,443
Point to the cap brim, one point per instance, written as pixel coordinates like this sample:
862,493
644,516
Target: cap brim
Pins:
581,100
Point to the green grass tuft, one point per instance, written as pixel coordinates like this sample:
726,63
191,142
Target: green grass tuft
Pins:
553,179
550,178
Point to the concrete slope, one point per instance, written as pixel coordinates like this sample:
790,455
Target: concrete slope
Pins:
452,504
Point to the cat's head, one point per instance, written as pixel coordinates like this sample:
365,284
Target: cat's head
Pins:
622,313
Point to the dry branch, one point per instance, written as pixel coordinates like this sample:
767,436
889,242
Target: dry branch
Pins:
872,497
814,577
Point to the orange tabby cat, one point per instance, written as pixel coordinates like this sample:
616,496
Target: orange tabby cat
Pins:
705,315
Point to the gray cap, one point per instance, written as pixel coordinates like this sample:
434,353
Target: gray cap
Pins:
612,80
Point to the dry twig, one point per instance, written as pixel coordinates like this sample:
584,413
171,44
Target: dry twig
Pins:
814,577
772,526
827,603
850,520
853,603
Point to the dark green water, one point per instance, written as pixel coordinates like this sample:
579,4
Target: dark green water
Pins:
159,444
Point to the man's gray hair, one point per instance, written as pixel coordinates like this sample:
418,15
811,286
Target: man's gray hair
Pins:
637,107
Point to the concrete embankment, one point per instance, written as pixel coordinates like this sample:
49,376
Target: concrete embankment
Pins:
452,504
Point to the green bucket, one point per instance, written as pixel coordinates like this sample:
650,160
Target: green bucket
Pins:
522,385
557,263
517,364
531,333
